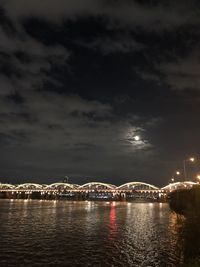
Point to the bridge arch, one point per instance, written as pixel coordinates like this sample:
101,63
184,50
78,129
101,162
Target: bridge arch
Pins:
29,186
178,185
97,185
7,186
137,186
61,186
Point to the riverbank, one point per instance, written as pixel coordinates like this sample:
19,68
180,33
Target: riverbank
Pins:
186,202
189,237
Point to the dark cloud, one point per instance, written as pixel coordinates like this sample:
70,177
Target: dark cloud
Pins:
183,73
25,61
109,45
53,123
164,14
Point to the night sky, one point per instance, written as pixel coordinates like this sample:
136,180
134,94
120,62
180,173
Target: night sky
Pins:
80,79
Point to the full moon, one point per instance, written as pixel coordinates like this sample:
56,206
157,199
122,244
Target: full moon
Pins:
137,138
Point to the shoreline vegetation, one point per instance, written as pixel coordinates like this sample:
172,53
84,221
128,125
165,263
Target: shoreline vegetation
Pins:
186,204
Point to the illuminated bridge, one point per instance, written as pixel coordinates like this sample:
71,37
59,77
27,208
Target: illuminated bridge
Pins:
91,190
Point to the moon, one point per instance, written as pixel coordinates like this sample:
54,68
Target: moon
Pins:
137,138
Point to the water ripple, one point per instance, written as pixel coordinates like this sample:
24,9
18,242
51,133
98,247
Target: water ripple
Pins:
61,233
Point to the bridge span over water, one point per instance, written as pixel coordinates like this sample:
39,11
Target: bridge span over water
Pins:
98,186
91,190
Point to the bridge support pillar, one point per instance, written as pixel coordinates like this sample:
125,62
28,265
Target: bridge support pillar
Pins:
123,196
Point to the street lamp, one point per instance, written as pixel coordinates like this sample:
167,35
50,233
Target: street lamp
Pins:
184,166
175,173
198,178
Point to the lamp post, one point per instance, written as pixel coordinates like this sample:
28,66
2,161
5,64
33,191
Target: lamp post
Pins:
184,166
66,179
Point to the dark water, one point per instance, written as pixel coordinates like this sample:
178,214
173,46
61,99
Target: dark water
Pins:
62,233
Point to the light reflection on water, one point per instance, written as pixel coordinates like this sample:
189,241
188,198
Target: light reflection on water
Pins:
62,233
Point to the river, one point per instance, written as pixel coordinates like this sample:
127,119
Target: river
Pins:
64,233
